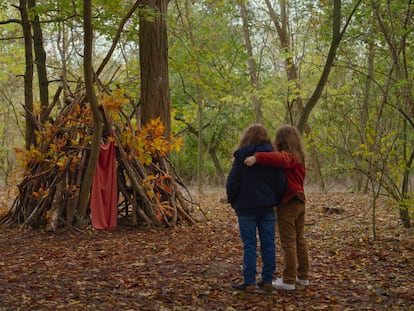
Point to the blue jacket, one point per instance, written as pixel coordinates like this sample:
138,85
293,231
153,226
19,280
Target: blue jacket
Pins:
257,188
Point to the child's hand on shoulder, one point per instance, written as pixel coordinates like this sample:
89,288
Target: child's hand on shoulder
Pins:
249,161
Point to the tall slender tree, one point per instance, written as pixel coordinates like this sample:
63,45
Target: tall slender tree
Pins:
28,74
400,78
294,107
96,113
337,34
40,60
253,73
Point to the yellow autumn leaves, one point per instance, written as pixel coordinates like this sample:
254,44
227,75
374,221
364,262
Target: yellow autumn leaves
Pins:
60,143
56,142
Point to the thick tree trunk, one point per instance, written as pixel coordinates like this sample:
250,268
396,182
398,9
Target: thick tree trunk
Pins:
155,94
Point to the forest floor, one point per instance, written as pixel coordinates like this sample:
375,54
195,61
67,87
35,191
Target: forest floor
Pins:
193,267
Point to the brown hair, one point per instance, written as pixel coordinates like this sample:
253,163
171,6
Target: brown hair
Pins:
289,139
255,134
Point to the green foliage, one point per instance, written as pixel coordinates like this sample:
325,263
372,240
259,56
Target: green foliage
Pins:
355,130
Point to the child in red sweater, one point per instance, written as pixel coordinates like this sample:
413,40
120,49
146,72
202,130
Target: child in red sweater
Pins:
289,156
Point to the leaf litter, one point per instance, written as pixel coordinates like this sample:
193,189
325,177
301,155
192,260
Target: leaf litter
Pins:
193,267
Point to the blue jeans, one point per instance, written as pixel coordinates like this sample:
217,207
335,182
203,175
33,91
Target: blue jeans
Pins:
265,223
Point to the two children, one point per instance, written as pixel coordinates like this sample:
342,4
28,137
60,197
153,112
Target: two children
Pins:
290,157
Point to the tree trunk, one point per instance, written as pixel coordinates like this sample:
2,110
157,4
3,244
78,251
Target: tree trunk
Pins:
198,100
28,74
398,52
336,39
63,46
405,193
366,101
96,114
153,43
40,60
294,110
254,81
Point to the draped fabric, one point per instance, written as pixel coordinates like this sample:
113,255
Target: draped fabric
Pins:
104,189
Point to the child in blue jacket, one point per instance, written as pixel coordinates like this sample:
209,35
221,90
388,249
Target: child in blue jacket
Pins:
253,192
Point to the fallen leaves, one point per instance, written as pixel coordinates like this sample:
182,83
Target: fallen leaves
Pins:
192,267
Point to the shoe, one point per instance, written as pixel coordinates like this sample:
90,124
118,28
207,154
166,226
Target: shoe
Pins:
279,284
248,288
302,282
265,286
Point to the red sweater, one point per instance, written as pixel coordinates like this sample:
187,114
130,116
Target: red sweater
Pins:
295,171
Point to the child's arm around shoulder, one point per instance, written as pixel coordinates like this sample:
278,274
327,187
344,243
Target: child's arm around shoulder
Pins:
280,159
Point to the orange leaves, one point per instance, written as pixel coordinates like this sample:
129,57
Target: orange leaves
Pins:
31,156
63,143
157,187
161,182
57,138
41,193
167,208
114,103
176,143
150,142
143,144
154,129
152,139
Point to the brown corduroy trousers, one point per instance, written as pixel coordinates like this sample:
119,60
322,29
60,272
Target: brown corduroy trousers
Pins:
291,223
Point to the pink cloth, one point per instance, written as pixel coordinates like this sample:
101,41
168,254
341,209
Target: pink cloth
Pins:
104,194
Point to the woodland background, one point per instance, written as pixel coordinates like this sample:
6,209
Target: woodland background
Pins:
341,71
